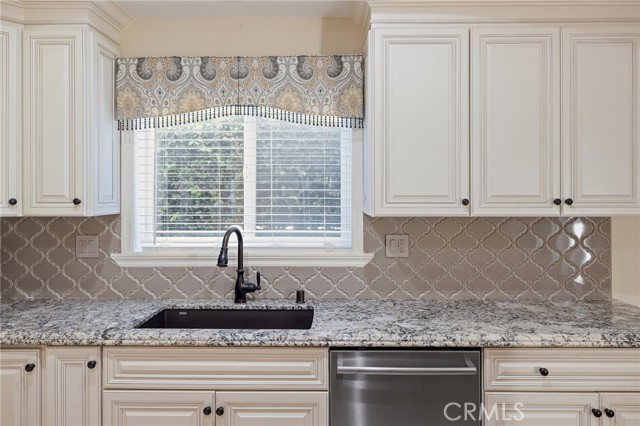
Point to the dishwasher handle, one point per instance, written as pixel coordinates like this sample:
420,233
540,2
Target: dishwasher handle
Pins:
469,370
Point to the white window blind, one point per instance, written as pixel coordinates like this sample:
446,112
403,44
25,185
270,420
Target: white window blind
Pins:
286,184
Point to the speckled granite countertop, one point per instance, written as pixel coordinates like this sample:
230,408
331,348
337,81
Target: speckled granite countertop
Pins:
463,323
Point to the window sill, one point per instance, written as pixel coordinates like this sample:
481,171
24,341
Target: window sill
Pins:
308,258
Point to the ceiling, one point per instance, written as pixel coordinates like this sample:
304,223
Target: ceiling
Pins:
140,9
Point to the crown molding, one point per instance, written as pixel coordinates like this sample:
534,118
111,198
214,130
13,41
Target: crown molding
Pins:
106,16
374,4
502,12
507,21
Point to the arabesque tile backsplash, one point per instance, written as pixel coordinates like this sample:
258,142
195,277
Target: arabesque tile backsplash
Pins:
480,258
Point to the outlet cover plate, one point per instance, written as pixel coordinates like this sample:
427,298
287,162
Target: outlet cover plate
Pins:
397,245
87,246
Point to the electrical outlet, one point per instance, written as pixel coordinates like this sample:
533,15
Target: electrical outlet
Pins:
397,246
87,246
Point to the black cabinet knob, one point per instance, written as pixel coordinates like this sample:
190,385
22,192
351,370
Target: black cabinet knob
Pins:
557,201
29,367
91,364
568,201
596,412
76,201
465,202
206,411
13,201
609,413
220,411
543,371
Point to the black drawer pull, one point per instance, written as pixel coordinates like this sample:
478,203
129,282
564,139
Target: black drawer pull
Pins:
29,367
543,372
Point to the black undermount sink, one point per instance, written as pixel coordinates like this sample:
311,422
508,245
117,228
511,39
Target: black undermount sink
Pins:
283,319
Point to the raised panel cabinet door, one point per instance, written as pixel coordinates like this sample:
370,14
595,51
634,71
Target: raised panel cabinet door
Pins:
72,386
272,408
53,122
620,409
515,136
158,408
104,194
600,118
19,387
540,409
418,141
11,119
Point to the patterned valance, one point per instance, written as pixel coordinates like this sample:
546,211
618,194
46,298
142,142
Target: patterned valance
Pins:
320,90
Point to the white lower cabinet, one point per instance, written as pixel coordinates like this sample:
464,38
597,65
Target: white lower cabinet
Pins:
158,408
620,409
558,387
222,386
272,408
186,408
538,409
72,386
20,387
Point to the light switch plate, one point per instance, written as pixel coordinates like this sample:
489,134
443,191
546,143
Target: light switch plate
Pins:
397,246
87,246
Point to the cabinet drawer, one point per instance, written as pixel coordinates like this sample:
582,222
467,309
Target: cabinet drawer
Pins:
216,368
568,369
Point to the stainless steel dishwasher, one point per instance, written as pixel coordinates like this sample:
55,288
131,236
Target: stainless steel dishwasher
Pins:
405,387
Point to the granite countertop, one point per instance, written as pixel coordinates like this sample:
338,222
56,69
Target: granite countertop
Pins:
338,323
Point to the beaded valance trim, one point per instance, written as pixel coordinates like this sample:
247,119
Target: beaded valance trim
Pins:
266,112
318,90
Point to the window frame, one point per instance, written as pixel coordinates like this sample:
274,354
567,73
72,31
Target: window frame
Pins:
254,256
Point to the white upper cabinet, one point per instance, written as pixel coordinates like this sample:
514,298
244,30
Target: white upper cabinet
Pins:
417,150
70,148
515,135
601,114
11,119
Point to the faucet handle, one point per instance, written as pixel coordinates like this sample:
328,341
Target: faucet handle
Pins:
258,281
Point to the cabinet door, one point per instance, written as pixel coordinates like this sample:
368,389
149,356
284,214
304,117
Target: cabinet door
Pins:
20,389
600,118
417,153
625,408
157,408
72,386
11,119
273,408
515,136
103,195
53,122
540,409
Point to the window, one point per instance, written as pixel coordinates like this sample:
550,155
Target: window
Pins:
288,185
